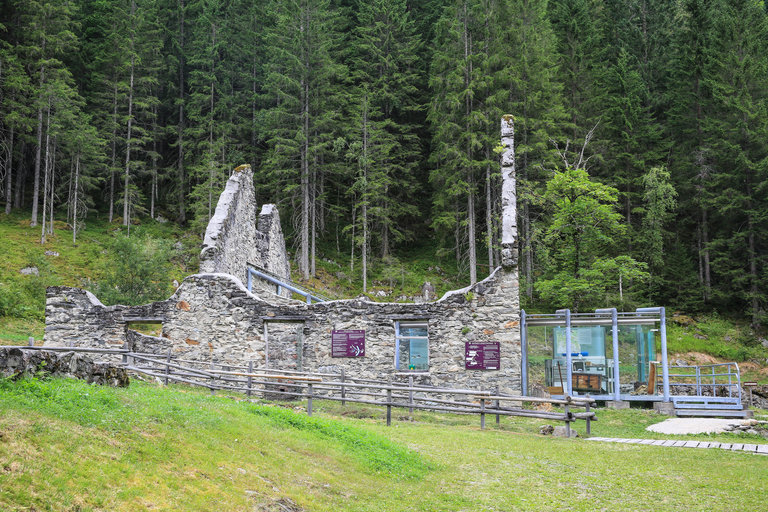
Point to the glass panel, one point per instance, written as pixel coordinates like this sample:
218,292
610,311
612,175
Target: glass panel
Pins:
590,372
540,374
407,331
419,355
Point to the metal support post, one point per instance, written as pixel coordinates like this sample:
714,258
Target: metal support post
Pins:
524,355
568,356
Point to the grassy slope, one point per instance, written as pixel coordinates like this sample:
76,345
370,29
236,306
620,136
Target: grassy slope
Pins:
65,445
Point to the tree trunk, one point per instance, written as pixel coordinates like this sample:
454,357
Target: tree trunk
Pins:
153,192
114,155
488,212
180,138
38,150
8,175
126,194
45,177
74,200
365,195
705,254
53,178
304,260
21,176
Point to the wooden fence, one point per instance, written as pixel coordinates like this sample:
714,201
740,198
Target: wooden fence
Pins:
310,386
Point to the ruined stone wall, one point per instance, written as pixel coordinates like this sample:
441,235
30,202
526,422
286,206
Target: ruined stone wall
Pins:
236,236
213,317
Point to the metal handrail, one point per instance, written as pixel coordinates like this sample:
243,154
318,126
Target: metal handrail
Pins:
282,282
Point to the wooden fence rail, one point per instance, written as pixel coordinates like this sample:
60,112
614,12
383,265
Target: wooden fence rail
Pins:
341,387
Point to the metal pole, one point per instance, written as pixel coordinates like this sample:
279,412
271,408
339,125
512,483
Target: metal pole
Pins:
524,355
664,365
615,342
309,399
568,357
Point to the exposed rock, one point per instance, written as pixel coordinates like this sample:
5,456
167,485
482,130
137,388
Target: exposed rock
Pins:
428,291
546,430
560,431
15,362
51,253
161,219
30,271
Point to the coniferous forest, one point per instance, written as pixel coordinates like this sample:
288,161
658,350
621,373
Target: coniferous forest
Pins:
641,131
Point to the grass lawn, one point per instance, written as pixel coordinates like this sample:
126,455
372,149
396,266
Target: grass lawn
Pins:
67,446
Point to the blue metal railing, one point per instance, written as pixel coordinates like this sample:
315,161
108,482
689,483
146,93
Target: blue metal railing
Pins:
280,283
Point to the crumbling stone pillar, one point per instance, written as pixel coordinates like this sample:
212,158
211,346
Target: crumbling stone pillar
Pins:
508,194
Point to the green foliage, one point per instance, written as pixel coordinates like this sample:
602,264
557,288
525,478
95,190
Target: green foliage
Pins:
581,238
138,273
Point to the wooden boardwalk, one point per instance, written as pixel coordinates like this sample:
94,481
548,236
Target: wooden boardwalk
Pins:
759,449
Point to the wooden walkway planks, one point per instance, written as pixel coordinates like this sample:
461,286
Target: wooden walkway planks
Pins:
760,449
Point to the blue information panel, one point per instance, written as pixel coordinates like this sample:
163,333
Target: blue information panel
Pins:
348,343
482,355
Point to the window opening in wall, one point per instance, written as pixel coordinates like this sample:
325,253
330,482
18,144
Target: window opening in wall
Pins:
411,346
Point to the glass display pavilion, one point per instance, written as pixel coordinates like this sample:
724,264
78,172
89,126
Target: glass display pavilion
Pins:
607,354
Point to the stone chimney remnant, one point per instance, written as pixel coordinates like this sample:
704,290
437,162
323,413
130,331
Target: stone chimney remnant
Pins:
508,194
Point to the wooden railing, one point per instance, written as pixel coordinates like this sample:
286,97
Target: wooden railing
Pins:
311,386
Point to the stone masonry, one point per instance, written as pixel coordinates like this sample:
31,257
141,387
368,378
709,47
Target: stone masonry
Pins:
213,317
236,236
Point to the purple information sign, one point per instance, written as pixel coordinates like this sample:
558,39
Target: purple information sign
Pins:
482,356
348,343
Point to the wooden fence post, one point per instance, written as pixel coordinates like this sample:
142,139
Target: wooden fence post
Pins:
213,391
567,418
589,424
482,413
250,378
389,402
31,341
167,367
410,397
309,399
125,356
343,388
498,406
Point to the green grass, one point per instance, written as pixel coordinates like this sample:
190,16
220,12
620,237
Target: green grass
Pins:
65,445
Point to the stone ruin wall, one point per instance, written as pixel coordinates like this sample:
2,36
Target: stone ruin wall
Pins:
236,236
212,317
